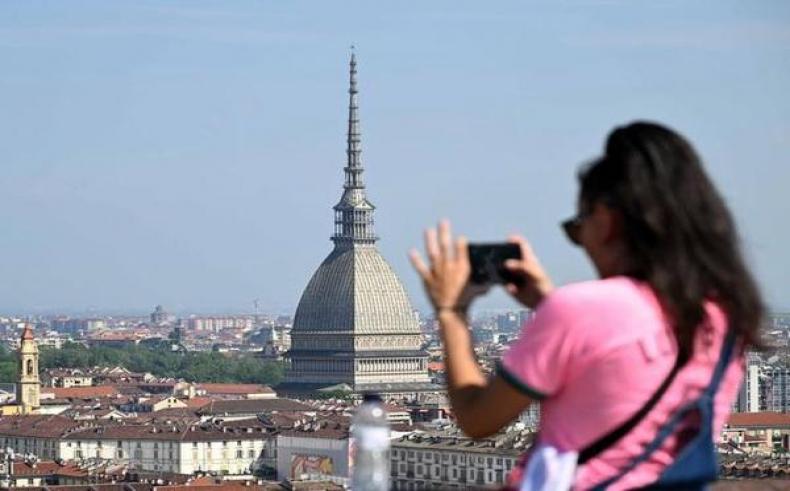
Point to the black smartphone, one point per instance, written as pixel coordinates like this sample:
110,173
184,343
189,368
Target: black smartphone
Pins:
488,263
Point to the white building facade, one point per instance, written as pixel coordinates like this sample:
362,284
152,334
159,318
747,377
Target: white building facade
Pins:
240,449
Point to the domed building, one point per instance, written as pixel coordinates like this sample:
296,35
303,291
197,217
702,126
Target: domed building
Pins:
354,328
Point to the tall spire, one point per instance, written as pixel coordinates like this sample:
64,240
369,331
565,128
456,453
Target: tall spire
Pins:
354,213
353,150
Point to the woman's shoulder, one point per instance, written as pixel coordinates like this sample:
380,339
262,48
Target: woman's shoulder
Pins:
605,312
611,294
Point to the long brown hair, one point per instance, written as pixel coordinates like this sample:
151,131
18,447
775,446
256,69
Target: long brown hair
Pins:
680,235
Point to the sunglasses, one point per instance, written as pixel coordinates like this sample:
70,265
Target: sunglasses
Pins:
573,227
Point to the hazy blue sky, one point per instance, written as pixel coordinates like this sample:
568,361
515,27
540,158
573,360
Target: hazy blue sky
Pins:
188,153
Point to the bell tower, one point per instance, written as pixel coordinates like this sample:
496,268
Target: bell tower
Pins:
28,386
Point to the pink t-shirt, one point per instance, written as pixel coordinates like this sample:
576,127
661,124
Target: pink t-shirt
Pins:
594,353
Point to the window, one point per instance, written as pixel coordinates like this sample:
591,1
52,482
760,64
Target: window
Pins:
120,453
224,444
252,454
120,443
239,454
194,444
238,443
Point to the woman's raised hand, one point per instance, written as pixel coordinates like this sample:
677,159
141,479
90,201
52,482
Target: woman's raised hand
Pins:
534,283
446,276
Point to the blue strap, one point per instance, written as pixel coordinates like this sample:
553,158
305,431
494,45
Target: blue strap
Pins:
704,403
721,367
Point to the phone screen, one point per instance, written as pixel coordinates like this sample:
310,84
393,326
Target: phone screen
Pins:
488,262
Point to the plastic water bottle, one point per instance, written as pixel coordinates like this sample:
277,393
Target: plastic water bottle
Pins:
370,434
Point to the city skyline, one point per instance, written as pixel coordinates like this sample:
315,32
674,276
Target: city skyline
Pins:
190,156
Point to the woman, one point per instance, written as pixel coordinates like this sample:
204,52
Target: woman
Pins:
613,360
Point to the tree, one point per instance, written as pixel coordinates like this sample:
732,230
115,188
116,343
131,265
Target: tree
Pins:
162,362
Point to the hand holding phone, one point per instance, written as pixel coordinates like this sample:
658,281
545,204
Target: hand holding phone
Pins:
457,272
533,283
487,263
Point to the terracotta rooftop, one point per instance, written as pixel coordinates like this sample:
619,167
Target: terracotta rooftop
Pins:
252,406
82,392
252,429
46,468
238,389
762,419
394,408
436,366
42,426
172,413
197,402
325,433
224,486
27,333
124,486
752,485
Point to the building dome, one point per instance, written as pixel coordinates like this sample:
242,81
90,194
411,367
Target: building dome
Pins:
354,325
356,291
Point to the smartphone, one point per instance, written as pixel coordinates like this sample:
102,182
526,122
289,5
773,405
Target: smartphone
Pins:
488,263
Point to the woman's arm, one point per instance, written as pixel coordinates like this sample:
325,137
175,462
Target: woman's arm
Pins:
481,406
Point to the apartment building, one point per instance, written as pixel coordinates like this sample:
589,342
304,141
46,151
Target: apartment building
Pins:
452,462
181,447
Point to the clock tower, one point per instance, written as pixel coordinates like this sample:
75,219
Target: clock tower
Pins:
28,386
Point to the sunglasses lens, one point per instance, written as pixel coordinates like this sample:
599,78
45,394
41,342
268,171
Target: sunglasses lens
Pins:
571,228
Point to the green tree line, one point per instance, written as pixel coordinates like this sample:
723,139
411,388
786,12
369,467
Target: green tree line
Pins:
199,366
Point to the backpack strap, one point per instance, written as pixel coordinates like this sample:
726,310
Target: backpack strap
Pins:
727,351
609,439
704,403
